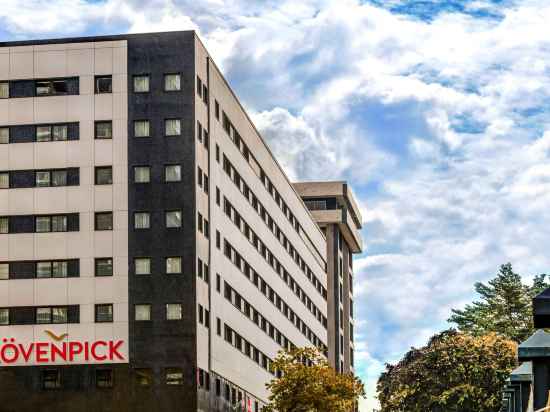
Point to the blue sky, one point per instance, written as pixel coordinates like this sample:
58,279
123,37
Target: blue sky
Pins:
435,111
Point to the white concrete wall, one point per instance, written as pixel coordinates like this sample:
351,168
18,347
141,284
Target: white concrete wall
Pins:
84,60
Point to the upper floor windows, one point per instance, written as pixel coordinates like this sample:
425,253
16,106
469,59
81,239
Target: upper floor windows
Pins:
104,129
30,269
142,174
141,83
39,133
142,128
103,84
39,178
172,82
39,88
172,127
39,223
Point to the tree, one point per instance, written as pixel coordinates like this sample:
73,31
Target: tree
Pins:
504,308
307,383
455,372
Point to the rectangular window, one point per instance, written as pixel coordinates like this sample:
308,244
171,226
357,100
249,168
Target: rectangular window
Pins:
142,220
103,84
141,83
60,132
172,127
142,266
142,174
51,87
143,312
4,135
51,379
104,221
59,315
104,130
104,175
104,378
43,179
217,109
43,315
59,223
43,133
104,313
59,178
172,173
144,376
103,267
4,316
174,311
4,180
4,271
4,90
172,82
174,376
173,219
173,265
199,86
4,225
142,128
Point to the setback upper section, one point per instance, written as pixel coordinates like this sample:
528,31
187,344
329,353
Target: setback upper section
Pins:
334,203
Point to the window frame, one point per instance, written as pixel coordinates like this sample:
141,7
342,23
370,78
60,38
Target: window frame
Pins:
98,169
97,306
144,258
109,381
142,167
99,78
180,314
136,122
99,123
168,213
179,259
144,76
142,212
147,306
172,119
97,260
100,214
164,82
178,167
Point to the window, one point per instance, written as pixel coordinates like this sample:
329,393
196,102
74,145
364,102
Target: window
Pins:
141,128
52,269
144,377
104,313
172,173
173,265
104,130
174,376
43,179
4,180
43,315
4,225
104,221
173,311
104,175
217,109
172,127
4,271
4,90
104,378
172,82
4,135
173,219
199,86
103,84
60,132
51,379
4,316
104,267
142,266
51,224
141,83
143,312
51,87
142,174
59,315
43,133
142,220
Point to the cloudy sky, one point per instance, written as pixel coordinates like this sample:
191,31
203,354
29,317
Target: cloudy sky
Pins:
435,111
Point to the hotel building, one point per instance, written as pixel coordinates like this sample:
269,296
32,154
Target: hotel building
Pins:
153,253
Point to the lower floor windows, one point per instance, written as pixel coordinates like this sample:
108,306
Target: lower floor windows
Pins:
104,378
51,315
173,265
144,377
143,312
104,267
174,376
174,311
28,315
51,379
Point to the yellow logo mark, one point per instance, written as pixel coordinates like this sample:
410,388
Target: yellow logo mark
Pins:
55,337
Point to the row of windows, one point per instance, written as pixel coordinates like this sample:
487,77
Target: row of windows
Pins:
231,393
40,269
40,223
42,315
142,127
252,352
54,379
143,265
202,90
172,173
172,220
42,87
203,271
40,178
143,311
253,276
270,223
262,249
251,313
39,133
243,149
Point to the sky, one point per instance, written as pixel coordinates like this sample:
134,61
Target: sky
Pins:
436,112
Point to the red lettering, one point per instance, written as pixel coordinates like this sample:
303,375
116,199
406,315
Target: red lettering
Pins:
113,350
86,351
75,348
62,353
94,353
27,354
41,352
9,353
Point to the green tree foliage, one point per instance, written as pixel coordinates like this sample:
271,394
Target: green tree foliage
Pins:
504,307
455,372
308,384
